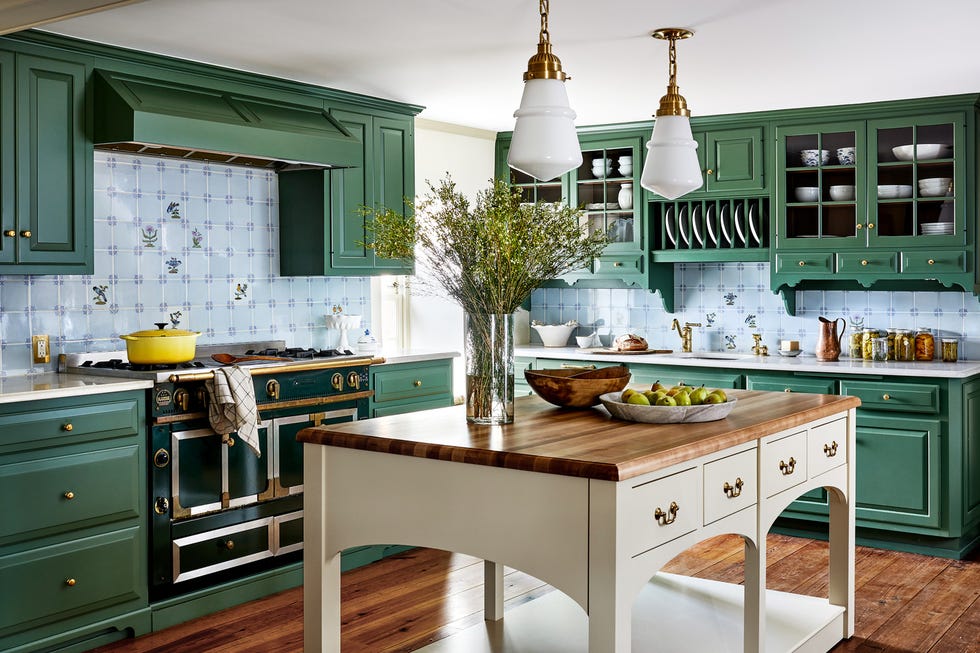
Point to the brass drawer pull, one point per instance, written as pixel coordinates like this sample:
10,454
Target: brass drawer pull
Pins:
618,264
831,449
787,468
871,225
710,171
864,261
802,264
69,495
787,389
417,383
886,397
931,261
664,518
228,544
70,582
67,427
732,492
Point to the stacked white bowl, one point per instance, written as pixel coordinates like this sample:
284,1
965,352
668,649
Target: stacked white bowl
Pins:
934,186
601,167
893,191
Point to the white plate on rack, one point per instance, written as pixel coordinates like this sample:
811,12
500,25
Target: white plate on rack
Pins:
756,230
668,220
724,223
738,225
683,226
695,221
709,222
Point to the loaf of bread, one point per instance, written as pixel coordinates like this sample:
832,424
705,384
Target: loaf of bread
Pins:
630,342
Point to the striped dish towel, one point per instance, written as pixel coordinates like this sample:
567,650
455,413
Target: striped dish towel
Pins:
231,405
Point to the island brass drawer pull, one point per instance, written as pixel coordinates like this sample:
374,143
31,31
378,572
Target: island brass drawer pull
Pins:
70,582
69,495
831,449
664,518
732,492
67,427
569,366
787,468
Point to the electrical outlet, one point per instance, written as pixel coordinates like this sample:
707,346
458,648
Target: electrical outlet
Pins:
41,345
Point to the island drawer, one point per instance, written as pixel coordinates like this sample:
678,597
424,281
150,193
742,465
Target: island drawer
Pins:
661,510
60,492
74,420
826,447
68,578
730,485
783,461
894,396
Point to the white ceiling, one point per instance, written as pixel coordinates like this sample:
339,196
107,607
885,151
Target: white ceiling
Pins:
463,59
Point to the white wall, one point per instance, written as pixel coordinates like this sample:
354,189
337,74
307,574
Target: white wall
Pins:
467,155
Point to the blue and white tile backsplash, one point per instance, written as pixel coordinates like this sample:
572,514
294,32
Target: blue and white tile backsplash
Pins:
733,301
183,242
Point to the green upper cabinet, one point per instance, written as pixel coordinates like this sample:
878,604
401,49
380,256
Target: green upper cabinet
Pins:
46,166
322,229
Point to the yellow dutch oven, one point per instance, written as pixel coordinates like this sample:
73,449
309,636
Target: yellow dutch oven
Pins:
160,346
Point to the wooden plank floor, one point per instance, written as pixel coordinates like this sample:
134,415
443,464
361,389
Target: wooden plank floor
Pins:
906,603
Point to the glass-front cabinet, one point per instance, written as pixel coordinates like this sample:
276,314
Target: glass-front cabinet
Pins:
604,188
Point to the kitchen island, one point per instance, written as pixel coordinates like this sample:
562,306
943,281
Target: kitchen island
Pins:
595,507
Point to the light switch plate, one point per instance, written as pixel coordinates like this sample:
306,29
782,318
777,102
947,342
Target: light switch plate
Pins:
41,348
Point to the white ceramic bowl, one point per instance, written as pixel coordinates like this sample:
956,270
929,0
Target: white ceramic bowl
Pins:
554,335
893,191
842,193
846,156
922,151
807,193
934,186
815,157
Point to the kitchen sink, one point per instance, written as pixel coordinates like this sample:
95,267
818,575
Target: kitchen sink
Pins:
712,355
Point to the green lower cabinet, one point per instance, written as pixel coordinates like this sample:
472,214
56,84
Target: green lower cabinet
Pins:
409,387
521,387
674,375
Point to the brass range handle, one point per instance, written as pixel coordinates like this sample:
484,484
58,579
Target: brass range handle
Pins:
337,381
71,582
69,495
830,449
272,389
664,518
733,491
787,468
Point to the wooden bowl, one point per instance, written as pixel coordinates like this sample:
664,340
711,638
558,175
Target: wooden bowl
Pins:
577,388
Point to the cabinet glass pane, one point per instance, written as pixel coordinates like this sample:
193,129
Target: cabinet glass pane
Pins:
604,188
821,185
914,189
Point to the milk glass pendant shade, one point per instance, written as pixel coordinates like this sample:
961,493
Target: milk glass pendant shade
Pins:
672,168
545,144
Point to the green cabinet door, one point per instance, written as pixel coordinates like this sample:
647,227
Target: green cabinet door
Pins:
54,163
733,160
394,156
351,189
8,221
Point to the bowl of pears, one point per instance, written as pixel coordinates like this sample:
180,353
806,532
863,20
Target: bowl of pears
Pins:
669,405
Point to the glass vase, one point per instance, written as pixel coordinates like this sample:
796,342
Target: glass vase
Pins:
488,348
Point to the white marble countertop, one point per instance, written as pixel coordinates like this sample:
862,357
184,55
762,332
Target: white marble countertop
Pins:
803,363
394,356
52,385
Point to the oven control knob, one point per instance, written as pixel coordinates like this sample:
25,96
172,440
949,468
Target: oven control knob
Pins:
272,389
161,458
201,395
353,380
337,381
182,398
161,506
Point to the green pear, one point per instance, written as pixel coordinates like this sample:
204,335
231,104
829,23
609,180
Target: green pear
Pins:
666,400
639,399
683,399
698,395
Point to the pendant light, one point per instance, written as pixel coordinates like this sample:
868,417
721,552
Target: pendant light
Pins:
672,168
545,144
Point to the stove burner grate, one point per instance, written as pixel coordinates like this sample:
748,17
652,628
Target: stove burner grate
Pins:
119,364
299,352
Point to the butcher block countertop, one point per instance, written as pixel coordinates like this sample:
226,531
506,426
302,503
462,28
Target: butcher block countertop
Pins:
585,443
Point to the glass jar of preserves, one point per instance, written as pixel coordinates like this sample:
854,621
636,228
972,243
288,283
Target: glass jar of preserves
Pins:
855,350
925,345
890,335
867,343
950,350
879,349
904,345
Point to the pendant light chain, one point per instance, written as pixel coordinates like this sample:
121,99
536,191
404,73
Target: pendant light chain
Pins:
545,37
672,66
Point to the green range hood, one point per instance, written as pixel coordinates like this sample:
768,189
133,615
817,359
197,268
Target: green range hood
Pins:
151,116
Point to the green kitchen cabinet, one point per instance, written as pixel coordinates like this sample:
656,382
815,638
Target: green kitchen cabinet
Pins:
323,230
46,162
73,547
408,387
521,387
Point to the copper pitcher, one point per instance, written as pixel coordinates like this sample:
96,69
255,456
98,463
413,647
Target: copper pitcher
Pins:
828,342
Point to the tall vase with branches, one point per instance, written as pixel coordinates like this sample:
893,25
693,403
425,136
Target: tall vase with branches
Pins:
487,256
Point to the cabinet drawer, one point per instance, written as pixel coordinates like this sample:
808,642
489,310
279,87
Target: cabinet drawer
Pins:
694,376
805,262
412,382
50,583
77,422
792,384
919,262
867,263
208,553
397,408
64,491
729,485
826,447
616,266
891,396
675,497
783,463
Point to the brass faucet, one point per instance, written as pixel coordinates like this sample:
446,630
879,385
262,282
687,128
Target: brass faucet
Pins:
758,348
684,333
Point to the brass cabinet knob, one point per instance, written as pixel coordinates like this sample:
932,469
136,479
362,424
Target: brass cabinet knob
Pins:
802,263
10,233
871,225
664,518
931,261
70,582
787,468
618,264
417,383
228,544
709,171
864,261
732,491
787,389
860,226
26,233
69,495
67,427
886,396
830,450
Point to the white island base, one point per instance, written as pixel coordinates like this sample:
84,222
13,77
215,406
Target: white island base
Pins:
672,614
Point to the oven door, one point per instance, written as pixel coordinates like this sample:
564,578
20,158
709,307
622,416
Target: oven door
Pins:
288,475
